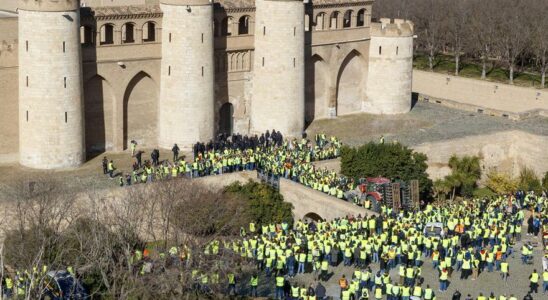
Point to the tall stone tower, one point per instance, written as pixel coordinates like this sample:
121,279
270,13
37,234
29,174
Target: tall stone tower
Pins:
186,113
278,68
51,125
390,67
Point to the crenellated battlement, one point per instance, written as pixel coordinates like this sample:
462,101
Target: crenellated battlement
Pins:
49,5
392,28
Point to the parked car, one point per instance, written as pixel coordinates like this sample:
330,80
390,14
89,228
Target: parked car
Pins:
434,229
61,285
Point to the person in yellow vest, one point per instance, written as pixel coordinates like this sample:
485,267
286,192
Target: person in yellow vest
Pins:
481,297
9,287
417,291
324,268
295,292
428,293
533,282
378,292
504,270
444,283
231,284
545,281
280,282
475,268
345,295
254,282
111,169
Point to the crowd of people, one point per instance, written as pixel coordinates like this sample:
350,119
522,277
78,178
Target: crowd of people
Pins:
269,154
479,238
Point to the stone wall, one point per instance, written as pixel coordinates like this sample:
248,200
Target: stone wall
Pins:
473,94
278,70
505,151
186,112
390,67
9,90
51,123
306,201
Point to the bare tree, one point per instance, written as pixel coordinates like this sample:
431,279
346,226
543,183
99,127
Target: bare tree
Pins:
512,32
458,18
428,17
539,38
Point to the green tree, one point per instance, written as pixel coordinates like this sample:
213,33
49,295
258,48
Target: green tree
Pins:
441,188
528,180
394,161
545,181
264,204
465,173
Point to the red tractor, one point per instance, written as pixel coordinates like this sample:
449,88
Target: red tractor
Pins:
377,190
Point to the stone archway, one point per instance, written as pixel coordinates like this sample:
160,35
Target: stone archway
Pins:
316,103
226,118
349,84
98,115
140,111
312,216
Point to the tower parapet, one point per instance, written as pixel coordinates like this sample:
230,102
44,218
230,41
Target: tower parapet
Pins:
390,67
186,111
49,5
392,28
278,72
51,125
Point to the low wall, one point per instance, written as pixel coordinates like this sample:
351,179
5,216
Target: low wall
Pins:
473,94
306,200
506,151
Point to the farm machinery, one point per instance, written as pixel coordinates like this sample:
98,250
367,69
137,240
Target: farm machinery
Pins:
373,191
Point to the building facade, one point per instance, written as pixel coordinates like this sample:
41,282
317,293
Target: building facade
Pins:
81,77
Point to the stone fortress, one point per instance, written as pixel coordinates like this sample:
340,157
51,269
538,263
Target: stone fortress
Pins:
79,77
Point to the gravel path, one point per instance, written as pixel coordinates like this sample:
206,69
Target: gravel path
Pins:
427,122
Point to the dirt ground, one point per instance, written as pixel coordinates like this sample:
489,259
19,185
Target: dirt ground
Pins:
426,122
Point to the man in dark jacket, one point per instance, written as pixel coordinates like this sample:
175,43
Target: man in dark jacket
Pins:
175,151
320,291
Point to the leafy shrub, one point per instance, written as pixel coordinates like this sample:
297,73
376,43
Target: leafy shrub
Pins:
501,183
393,161
528,180
264,204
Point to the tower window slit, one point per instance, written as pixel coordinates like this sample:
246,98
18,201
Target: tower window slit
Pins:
27,115
202,38
202,71
380,50
66,117
294,31
263,61
27,46
64,47
168,70
264,30
169,38
397,50
294,63
65,82
27,79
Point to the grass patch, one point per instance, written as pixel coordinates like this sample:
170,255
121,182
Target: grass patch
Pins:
445,64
